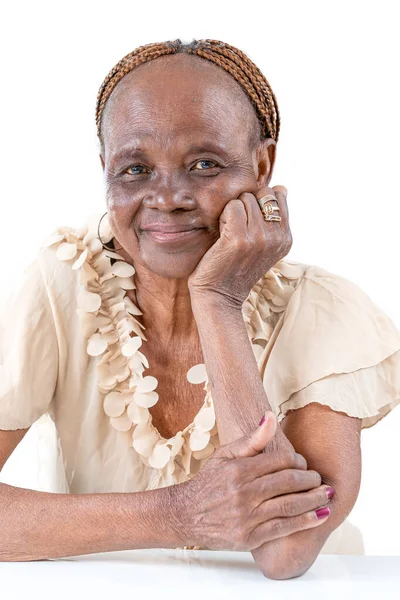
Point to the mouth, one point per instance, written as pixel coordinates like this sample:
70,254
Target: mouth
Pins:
176,236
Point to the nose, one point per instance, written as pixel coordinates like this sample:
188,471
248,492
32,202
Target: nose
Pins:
168,198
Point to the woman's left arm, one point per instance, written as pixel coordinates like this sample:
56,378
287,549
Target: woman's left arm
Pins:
247,248
330,443
328,440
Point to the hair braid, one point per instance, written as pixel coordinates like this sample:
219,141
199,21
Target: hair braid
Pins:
229,58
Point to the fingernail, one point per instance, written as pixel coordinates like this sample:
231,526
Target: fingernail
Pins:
262,420
323,512
330,492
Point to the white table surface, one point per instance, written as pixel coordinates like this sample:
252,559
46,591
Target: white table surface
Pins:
166,573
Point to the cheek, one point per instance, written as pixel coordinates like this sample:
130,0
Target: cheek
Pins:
121,217
226,187
211,194
122,209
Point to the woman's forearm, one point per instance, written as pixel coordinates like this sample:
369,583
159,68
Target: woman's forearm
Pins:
40,525
240,400
236,386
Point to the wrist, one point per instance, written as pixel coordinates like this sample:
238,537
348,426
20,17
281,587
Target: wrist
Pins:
180,515
214,301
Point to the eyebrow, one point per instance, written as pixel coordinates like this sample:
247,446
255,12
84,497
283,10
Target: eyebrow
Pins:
206,147
130,149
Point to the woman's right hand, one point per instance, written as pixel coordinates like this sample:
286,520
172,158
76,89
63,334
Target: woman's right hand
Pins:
242,498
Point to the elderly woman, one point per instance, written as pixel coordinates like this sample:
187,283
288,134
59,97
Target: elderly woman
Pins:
183,282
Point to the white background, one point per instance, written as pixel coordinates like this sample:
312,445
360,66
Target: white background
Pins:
334,69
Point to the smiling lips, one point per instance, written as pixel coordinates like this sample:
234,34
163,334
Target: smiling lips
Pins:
172,236
170,233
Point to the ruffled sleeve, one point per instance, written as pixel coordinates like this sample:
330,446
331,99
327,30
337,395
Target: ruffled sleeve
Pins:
28,350
334,346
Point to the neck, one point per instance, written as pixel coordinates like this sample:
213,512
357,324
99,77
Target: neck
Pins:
165,304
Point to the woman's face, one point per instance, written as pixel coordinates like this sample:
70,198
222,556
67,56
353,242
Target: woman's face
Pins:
177,147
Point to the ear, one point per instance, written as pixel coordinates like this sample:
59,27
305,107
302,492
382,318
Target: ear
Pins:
265,161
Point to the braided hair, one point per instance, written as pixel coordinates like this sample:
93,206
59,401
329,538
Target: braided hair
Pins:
232,60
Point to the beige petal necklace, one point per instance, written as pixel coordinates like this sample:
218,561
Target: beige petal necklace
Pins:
108,318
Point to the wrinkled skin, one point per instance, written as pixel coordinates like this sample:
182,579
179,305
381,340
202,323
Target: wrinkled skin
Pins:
155,118
265,496
165,107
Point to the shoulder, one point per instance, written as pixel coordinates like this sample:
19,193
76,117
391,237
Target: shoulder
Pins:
291,287
335,346
323,297
330,325
314,280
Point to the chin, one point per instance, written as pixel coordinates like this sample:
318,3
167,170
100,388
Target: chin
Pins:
172,266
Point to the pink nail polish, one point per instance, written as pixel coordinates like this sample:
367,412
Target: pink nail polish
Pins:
330,492
323,512
262,420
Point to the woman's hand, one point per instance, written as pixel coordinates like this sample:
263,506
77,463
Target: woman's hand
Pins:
242,499
247,248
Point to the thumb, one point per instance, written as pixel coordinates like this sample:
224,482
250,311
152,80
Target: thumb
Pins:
254,443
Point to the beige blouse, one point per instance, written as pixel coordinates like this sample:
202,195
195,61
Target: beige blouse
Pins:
70,347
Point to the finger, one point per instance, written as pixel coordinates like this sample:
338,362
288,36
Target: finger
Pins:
268,191
283,482
264,464
233,220
250,445
281,195
277,528
255,218
291,505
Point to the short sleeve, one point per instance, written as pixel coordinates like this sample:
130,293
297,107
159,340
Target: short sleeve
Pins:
335,347
28,351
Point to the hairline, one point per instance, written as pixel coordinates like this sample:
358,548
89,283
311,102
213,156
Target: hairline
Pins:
255,137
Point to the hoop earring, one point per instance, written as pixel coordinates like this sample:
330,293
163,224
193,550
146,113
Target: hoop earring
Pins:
98,235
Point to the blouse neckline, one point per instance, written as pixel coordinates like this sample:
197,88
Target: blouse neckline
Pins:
108,317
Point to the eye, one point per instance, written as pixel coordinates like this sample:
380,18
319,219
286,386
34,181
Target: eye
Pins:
205,161
134,167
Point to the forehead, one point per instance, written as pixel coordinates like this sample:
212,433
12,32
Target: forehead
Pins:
177,96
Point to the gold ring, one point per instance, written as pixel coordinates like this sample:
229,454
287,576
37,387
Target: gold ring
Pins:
267,208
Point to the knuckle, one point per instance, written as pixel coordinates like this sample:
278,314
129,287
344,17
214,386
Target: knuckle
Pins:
286,460
275,528
236,203
323,498
317,477
252,241
290,458
301,461
289,508
304,520
293,477
246,196
241,244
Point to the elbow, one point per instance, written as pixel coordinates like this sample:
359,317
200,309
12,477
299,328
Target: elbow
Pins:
283,563
289,571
